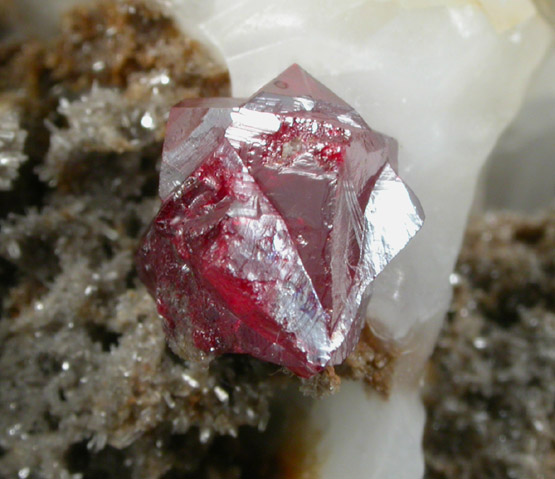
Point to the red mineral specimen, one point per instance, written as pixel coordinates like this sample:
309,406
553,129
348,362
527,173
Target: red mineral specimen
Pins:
278,213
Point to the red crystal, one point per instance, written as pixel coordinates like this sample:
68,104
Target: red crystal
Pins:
278,212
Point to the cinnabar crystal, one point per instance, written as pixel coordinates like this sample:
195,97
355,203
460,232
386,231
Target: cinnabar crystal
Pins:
278,213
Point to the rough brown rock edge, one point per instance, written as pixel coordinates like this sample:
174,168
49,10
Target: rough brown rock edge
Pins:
372,362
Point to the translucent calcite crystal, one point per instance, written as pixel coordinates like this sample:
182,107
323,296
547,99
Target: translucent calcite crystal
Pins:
279,211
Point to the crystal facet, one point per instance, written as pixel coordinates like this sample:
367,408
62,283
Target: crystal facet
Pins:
278,213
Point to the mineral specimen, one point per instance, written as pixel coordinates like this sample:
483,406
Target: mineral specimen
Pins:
278,213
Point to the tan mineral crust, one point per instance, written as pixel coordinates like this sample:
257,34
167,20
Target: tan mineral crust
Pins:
89,388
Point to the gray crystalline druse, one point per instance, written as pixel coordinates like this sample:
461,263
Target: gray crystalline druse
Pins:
88,386
491,397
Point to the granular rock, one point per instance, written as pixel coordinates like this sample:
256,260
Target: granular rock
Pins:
491,398
88,386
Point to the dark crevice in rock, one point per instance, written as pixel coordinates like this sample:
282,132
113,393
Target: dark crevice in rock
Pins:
150,184
133,226
173,357
8,274
131,279
51,421
529,234
109,463
250,456
508,308
48,364
107,248
102,335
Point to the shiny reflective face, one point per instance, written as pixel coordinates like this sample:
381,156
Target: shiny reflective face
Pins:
278,213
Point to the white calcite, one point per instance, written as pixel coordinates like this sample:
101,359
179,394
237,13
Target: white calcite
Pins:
521,172
444,78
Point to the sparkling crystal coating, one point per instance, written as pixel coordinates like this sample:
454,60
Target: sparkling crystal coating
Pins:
278,212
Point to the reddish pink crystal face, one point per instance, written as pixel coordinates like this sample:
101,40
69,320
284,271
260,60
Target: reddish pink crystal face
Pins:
278,213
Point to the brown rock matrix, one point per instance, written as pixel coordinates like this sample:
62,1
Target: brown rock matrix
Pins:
492,394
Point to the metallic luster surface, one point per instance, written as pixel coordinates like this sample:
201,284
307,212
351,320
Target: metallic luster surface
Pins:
279,211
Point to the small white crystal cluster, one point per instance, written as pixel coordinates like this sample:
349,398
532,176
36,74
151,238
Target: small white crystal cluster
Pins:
141,111
12,140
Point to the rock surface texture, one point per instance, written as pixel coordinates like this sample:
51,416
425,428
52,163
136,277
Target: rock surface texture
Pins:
491,394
